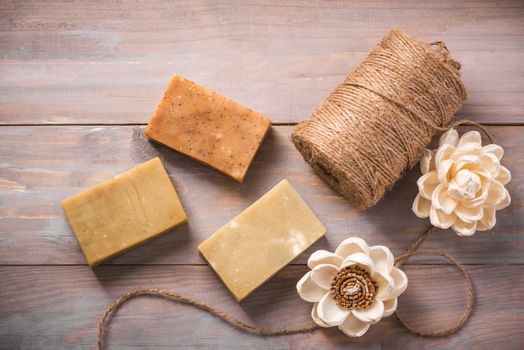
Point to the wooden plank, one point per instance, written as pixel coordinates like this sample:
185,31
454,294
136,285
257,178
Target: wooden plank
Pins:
60,306
105,62
112,31
128,92
40,166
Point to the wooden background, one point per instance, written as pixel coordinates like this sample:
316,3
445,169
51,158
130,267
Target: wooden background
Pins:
80,79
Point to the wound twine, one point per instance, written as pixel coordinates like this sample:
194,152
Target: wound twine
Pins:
235,322
374,125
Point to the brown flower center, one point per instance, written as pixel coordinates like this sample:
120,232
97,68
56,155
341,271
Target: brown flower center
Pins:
353,288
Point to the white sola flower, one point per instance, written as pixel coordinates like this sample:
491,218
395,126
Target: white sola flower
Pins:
352,288
462,184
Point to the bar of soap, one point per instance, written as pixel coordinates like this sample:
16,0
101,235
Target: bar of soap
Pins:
263,239
124,212
208,127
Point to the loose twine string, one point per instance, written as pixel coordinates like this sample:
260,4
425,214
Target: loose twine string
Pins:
235,322
374,125
413,250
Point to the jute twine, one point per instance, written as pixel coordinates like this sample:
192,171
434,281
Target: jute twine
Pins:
374,125
235,322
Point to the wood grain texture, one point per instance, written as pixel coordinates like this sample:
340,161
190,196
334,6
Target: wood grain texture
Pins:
108,62
61,161
59,309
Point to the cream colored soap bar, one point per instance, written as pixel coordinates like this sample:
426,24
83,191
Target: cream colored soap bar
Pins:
124,212
263,239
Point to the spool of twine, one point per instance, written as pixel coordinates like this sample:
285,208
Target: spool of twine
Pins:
375,124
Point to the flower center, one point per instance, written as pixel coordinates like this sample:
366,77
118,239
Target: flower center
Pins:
353,289
469,182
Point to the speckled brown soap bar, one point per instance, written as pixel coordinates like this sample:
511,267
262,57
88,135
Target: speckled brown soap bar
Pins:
124,212
208,127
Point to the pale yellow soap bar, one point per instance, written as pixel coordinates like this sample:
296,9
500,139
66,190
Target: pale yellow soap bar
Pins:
262,240
124,212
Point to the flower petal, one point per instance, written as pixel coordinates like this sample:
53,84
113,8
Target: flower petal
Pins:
372,314
360,259
443,201
469,214
352,245
385,284
421,206
324,257
484,175
427,184
427,161
504,202
504,175
494,149
488,220
309,290
390,306
353,327
444,171
455,191
314,316
329,312
443,153
470,137
382,257
467,150
400,282
441,220
490,163
450,137
468,162
496,194
464,228
323,275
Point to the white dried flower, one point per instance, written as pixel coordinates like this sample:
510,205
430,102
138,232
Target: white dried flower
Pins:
462,185
352,288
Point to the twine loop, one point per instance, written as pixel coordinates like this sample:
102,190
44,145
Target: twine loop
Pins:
413,250
459,323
